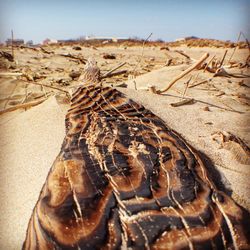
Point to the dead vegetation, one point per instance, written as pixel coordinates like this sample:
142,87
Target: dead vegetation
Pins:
57,78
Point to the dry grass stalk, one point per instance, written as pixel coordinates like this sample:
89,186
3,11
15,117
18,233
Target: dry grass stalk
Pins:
142,53
183,102
199,83
112,70
235,47
116,73
51,87
223,58
187,84
21,106
12,47
185,72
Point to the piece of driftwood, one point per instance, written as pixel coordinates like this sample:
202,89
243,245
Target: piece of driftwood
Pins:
164,48
183,54
22,106
107,74
183,102
79,57
109,56
123,179
7,56
46,51
77,48
185,72
75,74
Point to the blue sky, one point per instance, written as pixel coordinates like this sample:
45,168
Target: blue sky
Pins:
167,19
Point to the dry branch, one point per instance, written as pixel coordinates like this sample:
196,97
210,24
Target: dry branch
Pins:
185,72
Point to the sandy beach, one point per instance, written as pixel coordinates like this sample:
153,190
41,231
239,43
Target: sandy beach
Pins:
31,135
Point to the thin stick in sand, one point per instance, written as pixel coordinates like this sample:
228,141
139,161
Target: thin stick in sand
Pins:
185,72
21,106
183,102
51,87
199,83
142,51
112,70
12,48
223,58
209,63
187,84
183,54
235,47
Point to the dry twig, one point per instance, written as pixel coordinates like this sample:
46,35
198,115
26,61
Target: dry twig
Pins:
142,51
109,73
21,106
235,47
223,58
183,102
183,54
185,72
51,87
81,59
199,83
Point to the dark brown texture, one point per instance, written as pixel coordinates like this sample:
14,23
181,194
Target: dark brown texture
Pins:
124,179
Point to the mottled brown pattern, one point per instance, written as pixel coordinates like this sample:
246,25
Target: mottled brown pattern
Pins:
125,180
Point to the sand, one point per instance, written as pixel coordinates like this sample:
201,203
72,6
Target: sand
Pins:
29,144
31,140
